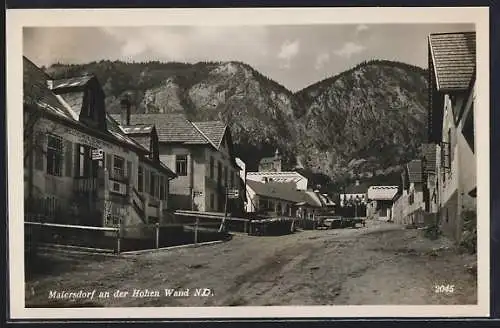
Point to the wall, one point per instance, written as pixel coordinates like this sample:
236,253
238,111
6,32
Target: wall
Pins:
61,188
404,211
211,184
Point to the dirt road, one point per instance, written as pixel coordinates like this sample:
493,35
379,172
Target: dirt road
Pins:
380,264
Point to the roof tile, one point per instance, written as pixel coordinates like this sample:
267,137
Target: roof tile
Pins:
454,59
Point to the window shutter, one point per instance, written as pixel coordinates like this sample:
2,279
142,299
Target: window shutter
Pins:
147,180
76,159
39,157
68,157
129,171
109,163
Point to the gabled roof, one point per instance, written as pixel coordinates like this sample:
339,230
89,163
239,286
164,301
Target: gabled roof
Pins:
429,154
171,127
73,82
382,192
454,59
283,191
213,131
36,92
415,171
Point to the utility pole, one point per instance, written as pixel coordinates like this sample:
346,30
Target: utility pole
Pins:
225,211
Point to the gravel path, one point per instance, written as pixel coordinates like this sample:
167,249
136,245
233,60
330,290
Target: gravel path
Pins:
380,264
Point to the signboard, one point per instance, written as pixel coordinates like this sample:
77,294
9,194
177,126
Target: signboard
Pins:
233,193
97,154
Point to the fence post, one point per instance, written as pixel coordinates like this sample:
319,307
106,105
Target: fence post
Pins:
157,226
118,241
196,230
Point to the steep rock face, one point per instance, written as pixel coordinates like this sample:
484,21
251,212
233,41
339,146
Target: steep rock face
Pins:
367,120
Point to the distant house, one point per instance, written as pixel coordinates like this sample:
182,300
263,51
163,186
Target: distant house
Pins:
429,155
202,156
409,206
272,164
81,167
380,202
355,192
281,199
296,178
452,66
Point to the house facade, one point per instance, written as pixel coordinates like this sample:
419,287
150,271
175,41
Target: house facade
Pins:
281,199
201,154
452,67
355,192
380,202
409,207
271,164
80,165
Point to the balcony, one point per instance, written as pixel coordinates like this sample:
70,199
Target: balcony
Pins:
85,185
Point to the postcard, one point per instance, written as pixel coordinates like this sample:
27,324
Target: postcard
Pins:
248,163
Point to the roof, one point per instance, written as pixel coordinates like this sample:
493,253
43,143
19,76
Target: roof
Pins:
429,154
170,127
356,189
382,192
212,130
73,82
138,129
454,59
283,191
37,91
283,176
415,171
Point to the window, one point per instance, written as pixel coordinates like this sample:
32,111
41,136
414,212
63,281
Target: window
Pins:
140,179
212,201
212,164
162,187
54,155
449,150
225,176
468,129
119,166
232,180
219,172
181,165
152,186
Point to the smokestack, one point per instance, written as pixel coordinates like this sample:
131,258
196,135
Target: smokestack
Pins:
125,110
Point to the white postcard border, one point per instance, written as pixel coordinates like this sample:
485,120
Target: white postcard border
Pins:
17,19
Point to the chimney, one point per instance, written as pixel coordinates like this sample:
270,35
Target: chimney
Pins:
264,179
125,110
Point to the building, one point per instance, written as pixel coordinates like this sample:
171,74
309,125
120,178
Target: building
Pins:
202,156
296,178
380,202
355,192
81,167
429,153
409,207
278,198
271,164
452,75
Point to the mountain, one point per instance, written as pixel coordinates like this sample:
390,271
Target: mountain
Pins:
364,121
367,120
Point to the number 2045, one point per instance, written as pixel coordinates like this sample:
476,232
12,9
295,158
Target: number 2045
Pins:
446,289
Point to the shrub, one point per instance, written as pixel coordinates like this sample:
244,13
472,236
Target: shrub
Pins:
468,240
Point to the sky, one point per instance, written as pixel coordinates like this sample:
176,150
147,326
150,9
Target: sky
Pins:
293,55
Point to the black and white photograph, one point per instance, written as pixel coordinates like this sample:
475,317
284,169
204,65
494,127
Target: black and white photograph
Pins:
246,162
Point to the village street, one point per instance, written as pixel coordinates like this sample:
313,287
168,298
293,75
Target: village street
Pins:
382,263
